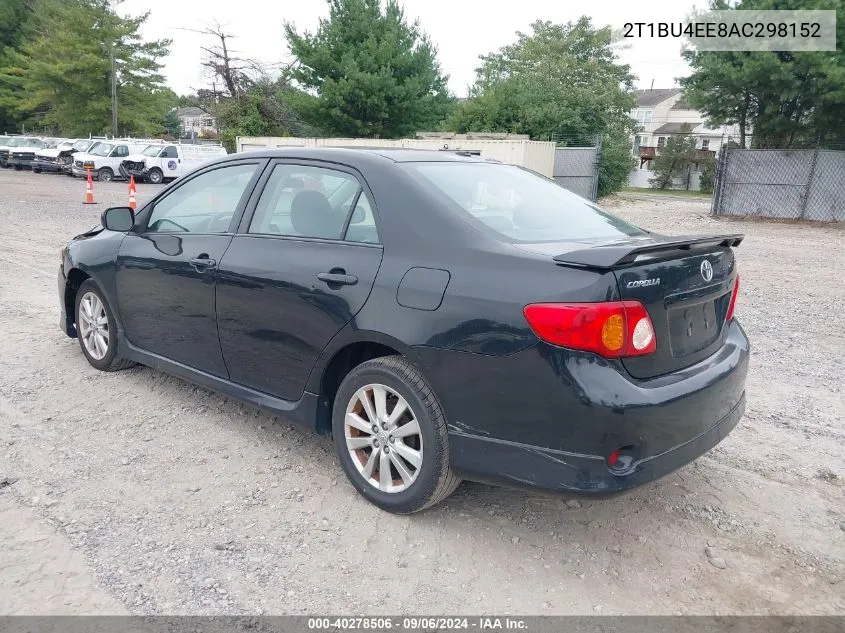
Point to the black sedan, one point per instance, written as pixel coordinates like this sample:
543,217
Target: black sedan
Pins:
443,317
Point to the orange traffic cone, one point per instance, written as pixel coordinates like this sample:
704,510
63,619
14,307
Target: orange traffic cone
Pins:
132,203
89,190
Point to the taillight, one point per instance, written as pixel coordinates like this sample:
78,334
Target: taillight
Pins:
734,295
611,329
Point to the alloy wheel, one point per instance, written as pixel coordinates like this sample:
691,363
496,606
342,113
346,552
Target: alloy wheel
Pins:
383,437
94,326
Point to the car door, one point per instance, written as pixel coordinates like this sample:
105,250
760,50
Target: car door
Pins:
295,274
166,268
119,153
171,163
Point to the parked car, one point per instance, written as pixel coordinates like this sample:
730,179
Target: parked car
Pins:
104,158
21,144
160,163
4,148
443,317
22,153
80,147
53,157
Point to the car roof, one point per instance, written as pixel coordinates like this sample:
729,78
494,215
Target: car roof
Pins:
353,155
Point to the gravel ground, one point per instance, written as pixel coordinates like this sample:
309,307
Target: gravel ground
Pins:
137,492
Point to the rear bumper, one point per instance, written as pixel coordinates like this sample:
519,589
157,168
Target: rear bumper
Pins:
548,417
519,465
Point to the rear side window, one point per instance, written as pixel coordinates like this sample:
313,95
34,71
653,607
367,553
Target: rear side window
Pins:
362,224
305,201
518,205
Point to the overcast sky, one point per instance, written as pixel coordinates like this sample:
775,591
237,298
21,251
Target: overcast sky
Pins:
461,29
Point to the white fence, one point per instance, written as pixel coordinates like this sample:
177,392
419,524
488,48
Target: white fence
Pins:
537,156
640,178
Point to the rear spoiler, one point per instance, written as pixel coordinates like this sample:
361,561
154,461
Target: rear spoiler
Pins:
612,256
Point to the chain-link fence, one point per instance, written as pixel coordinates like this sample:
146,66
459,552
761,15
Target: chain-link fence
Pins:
577,169
773,183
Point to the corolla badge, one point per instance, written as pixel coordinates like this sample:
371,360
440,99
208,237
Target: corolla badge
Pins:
641,283
706,270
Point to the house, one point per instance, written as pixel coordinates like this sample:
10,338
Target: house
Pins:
662,113
195,121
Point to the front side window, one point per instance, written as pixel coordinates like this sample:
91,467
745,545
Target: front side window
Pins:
170,152
205,204
101,149
305,201
120,151
518,205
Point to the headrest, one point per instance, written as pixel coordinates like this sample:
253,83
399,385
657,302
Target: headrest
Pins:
312,216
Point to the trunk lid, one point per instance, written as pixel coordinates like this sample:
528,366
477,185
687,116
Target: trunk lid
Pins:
685,284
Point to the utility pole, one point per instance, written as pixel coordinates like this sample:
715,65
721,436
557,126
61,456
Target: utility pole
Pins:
113,91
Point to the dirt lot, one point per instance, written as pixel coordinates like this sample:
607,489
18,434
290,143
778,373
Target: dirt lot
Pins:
137,492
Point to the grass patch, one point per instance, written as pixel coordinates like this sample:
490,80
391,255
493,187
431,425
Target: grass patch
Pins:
666,192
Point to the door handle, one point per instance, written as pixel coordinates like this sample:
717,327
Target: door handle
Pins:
340,278
203,262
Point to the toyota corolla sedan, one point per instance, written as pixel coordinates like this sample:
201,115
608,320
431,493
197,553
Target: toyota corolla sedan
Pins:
442,317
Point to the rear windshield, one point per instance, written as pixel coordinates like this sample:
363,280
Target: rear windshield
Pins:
519,205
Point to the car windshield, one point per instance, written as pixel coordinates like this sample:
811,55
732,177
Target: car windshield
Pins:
81,146
519,205
152,150
101,149
29,141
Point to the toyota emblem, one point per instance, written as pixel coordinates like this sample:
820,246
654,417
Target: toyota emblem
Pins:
706,270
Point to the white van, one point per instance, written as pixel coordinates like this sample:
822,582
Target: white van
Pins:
104,158
159,163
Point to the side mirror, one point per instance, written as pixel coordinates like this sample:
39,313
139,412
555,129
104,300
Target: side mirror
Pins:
120,219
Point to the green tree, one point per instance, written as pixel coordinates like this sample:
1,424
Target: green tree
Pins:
561,82
171,124
674,160
708,176
62,73
783,99
367,72
14,28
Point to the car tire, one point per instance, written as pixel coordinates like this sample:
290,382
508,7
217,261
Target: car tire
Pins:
35,170
18,168
105,175
416,487
91,304
155,177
